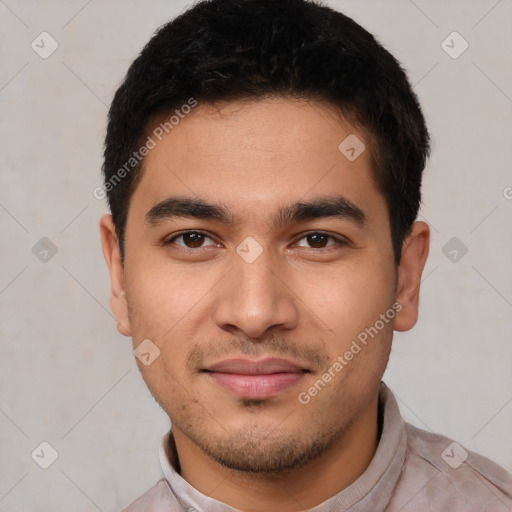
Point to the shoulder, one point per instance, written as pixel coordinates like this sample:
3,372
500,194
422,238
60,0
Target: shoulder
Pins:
157,499
440,474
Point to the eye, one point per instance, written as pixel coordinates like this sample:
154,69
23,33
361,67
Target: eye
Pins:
195,240
319,238
191,239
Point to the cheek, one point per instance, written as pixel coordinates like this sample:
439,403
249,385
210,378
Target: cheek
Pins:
168,307
351,299
163,298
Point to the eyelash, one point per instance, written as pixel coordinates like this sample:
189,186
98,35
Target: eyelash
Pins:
338,241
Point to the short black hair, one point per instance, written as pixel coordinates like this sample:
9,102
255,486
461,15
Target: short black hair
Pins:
228,50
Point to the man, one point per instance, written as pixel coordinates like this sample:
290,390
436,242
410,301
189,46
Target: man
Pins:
263,165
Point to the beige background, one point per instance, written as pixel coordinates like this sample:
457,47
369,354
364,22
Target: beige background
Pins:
68,378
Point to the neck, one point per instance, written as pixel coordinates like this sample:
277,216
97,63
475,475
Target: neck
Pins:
297,490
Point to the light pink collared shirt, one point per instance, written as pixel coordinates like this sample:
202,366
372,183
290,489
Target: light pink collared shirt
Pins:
412,471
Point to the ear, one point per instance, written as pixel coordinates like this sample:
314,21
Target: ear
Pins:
112,254
414,255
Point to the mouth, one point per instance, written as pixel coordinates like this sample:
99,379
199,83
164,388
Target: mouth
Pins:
256,379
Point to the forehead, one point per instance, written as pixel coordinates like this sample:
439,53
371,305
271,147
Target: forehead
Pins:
251,156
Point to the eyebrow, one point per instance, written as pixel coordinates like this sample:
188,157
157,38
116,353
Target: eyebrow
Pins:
319,208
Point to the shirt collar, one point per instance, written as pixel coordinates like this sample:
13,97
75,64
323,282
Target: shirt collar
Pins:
371,491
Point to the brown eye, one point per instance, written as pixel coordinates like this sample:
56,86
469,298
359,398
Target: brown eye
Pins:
318,240
191,239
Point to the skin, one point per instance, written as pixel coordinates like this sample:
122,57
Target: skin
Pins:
304,299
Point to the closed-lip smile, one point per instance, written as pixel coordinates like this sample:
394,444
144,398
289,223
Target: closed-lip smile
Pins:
255,379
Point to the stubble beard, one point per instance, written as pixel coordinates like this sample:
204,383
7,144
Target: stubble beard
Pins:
253,452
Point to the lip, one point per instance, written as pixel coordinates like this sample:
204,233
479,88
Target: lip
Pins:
266,366
256,379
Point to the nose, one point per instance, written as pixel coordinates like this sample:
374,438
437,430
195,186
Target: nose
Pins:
255,297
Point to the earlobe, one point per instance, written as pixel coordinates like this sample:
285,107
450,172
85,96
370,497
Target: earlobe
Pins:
414,256
112,255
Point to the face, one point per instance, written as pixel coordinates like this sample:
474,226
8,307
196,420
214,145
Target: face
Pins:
253,295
